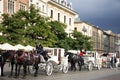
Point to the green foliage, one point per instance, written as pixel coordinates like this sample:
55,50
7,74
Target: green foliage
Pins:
27,27
58,29
81,41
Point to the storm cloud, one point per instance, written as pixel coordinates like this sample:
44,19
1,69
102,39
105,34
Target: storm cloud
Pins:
102,13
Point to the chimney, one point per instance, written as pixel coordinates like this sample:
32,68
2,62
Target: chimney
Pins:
64,2
70,6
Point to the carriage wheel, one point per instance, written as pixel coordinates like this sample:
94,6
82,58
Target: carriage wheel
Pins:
49,68
65,69
69,66
99,66
90,66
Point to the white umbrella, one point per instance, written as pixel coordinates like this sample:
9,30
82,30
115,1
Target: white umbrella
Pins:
29,48
7,46
19,46
0,46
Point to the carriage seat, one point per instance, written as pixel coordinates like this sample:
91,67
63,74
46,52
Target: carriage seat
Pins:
42,59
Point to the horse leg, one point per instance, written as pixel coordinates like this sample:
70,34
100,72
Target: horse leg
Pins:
80,65
74,66
2,69
28,69
19,67
16,70
12,66
36,69
24,70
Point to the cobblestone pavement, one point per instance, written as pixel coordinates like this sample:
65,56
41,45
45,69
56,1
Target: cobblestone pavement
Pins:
104,74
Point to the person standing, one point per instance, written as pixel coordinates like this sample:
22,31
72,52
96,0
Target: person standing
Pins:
113,62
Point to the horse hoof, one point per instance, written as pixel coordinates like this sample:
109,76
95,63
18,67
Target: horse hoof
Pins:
24,77
15,76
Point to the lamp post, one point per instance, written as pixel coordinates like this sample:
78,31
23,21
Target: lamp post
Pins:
84,30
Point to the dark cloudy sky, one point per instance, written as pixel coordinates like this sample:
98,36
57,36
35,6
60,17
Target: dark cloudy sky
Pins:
102,13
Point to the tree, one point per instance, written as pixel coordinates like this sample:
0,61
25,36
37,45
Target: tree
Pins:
58,29
2,38
14,28
38,29
81,41
28,27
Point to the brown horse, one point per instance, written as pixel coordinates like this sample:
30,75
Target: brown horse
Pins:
26,59
32,58
4,56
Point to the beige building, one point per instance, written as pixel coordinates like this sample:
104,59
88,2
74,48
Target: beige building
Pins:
118,45
84,27
41,5
58,10
109,41
98,39
92,31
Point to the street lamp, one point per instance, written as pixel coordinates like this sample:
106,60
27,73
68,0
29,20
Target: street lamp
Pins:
84,30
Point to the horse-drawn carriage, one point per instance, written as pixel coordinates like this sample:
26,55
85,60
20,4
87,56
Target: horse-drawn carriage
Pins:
57,61
92,59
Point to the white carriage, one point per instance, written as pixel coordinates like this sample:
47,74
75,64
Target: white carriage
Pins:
57,61
92,59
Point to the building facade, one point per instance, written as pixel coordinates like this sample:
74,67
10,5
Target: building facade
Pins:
92,31
41,5
1,9
12,6
109,41
60,11
118,45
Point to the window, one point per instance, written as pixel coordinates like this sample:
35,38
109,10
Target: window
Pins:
55,52
22,6
10,6
43,8
64,19
58,16
69,21
75,28
51,15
